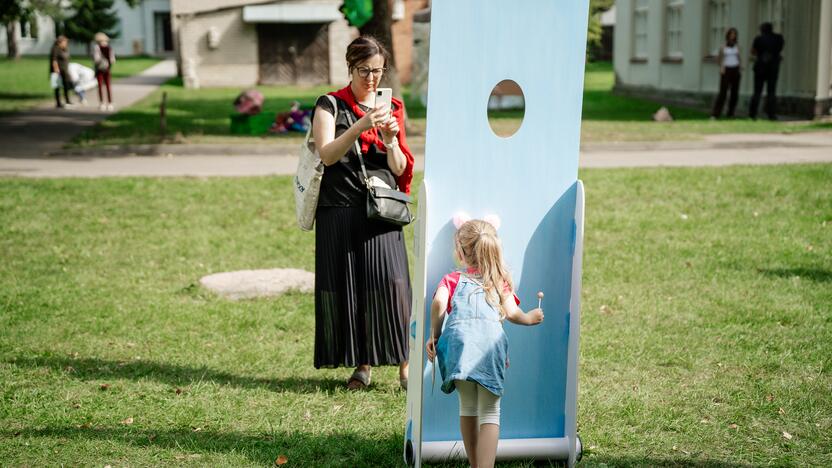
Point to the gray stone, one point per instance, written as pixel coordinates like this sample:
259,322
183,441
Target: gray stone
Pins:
247,284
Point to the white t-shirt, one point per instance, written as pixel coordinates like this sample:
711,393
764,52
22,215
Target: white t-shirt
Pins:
730,56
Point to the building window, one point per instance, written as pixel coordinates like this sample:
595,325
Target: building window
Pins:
772,11
640,29
673,29
719,12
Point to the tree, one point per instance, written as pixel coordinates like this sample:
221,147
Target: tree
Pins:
91,17
594,30
10,13
13,11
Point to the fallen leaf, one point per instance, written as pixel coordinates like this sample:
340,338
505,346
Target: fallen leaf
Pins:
196,429
127,421
769,397
104,386
605,309
705,420
17,433
151,437
76,405
688,264
335,408
781,411
733,426
178,391
307,415
281,460
756,214
86,425
810,247
787,436
108,466
69,369
683,216
674,448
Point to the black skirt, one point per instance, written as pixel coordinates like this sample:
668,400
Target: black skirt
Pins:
362,290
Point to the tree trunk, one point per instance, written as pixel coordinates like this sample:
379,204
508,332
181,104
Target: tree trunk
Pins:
380,27
11,40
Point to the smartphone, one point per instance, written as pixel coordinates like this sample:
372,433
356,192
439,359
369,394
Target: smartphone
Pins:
384,96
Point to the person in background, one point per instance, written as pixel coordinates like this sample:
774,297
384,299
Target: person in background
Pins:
83,78
103,58
766,50
729,75
59,64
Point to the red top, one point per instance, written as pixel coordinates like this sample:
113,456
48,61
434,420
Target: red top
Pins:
450,281
373,135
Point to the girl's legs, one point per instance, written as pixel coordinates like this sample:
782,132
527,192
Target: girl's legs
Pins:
488,409
468,423
403,370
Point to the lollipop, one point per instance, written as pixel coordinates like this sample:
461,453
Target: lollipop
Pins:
539,298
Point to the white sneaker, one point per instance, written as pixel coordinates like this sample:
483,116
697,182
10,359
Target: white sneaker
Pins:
102,107
110,107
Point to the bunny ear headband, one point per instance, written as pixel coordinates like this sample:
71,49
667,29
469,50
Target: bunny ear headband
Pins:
462,217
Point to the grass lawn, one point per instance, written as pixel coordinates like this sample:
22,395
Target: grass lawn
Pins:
25,82
202,116
705,337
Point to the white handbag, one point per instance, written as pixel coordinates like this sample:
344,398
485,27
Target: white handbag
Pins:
308,179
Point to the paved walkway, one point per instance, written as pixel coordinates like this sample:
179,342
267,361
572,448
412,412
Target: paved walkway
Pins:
269,159
44,130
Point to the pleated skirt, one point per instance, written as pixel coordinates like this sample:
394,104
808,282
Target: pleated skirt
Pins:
362,290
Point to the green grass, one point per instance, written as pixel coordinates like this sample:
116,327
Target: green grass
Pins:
691,324
202,116
25,82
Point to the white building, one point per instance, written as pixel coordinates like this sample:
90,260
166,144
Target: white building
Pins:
666,50
145,30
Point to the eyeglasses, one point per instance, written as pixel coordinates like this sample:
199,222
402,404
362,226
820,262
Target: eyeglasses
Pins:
364,72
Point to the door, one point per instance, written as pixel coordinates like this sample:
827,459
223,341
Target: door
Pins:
293,53
163,34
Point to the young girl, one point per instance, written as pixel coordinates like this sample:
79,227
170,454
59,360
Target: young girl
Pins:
472,350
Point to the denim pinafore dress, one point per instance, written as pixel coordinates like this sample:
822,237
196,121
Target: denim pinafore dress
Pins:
473,345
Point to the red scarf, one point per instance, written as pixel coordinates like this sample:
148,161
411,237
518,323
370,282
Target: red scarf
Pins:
373,135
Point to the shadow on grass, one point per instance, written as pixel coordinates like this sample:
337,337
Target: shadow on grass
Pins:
172,374
301,449
5,96
818,275
681,461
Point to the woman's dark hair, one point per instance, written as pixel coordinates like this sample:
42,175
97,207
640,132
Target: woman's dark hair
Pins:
728,36
766,28
364,48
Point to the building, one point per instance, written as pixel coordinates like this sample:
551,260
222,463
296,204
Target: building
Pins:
245,42
666,50
145,30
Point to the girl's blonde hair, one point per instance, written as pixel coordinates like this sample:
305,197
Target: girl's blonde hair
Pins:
479,247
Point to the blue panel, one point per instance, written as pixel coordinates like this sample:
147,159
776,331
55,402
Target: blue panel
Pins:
528,180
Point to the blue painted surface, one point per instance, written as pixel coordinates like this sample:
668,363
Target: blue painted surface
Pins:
528,179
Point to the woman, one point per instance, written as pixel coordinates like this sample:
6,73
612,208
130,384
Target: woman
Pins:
59,64
362,284
729,71
103,57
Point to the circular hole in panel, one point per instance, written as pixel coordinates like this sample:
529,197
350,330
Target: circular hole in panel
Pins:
506,108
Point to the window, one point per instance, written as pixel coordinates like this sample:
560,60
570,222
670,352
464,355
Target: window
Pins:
640,29
772,11
673,29
719,12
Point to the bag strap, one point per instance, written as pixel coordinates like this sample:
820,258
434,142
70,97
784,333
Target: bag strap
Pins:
358,149
309,138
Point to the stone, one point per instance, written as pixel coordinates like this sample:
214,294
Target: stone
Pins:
246,284
663,115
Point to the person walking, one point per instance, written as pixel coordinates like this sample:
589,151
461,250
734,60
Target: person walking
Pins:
59,64
729,75
765,50
362,284
103,57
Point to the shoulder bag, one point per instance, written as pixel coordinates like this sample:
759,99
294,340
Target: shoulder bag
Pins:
308,179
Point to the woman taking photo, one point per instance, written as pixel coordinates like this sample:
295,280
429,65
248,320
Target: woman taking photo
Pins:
729,74
362,284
